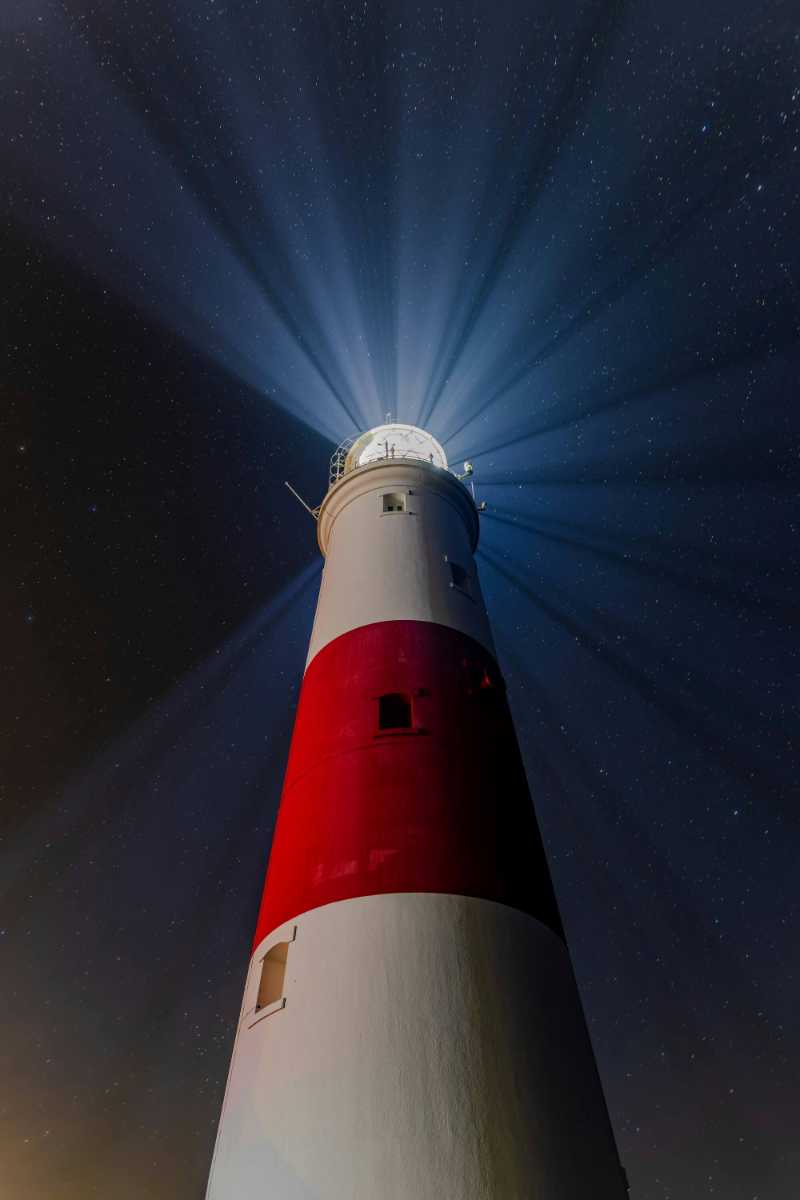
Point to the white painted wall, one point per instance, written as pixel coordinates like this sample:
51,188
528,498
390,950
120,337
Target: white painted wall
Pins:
390,567
431,1047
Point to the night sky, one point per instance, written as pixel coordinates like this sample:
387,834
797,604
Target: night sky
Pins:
566,239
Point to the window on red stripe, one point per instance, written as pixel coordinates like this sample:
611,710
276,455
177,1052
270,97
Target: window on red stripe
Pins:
394,711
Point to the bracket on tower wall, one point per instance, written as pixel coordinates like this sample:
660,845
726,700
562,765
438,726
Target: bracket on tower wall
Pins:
313,511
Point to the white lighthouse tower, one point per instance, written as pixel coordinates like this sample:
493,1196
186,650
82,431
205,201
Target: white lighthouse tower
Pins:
411,1028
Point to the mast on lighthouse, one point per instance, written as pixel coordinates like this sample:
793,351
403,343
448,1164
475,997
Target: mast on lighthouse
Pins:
411,1027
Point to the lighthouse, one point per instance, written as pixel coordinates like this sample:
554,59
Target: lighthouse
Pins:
411,1027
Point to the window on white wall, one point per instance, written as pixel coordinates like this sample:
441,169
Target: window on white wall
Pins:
394,502
459,577
273,974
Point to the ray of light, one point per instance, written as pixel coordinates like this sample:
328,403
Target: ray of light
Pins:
171,730
653,673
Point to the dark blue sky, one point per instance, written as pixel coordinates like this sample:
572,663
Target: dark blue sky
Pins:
566,239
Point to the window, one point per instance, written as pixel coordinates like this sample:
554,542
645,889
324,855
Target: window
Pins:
459,577
394,502
273,972
394,711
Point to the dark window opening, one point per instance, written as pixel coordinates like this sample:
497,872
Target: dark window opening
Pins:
273,973
394,502
459,576
394,711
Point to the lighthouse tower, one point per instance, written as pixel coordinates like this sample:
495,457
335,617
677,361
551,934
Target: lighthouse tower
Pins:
411,1028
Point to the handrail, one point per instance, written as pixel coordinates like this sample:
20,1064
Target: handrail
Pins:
338,462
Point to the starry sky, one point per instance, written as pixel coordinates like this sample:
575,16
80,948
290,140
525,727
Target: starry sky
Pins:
564,238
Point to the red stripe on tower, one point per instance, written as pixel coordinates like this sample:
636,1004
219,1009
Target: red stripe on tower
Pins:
404,776
410,1026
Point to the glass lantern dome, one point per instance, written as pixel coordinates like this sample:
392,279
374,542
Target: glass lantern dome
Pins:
392,440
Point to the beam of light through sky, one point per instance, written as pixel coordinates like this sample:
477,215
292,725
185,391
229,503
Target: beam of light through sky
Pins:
194,705
196,781
345,281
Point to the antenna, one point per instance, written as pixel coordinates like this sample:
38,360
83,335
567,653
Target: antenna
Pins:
313,511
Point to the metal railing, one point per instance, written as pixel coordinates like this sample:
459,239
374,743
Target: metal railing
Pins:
338,465
339,458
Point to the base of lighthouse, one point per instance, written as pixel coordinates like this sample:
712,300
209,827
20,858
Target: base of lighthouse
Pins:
413,1046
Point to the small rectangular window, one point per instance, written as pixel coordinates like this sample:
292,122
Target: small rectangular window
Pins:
394,711
394,502
459,577
273,973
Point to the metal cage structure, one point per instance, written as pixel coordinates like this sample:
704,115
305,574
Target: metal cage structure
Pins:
339,458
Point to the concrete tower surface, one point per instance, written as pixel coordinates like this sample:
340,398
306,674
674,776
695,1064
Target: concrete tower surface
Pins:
411,1028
